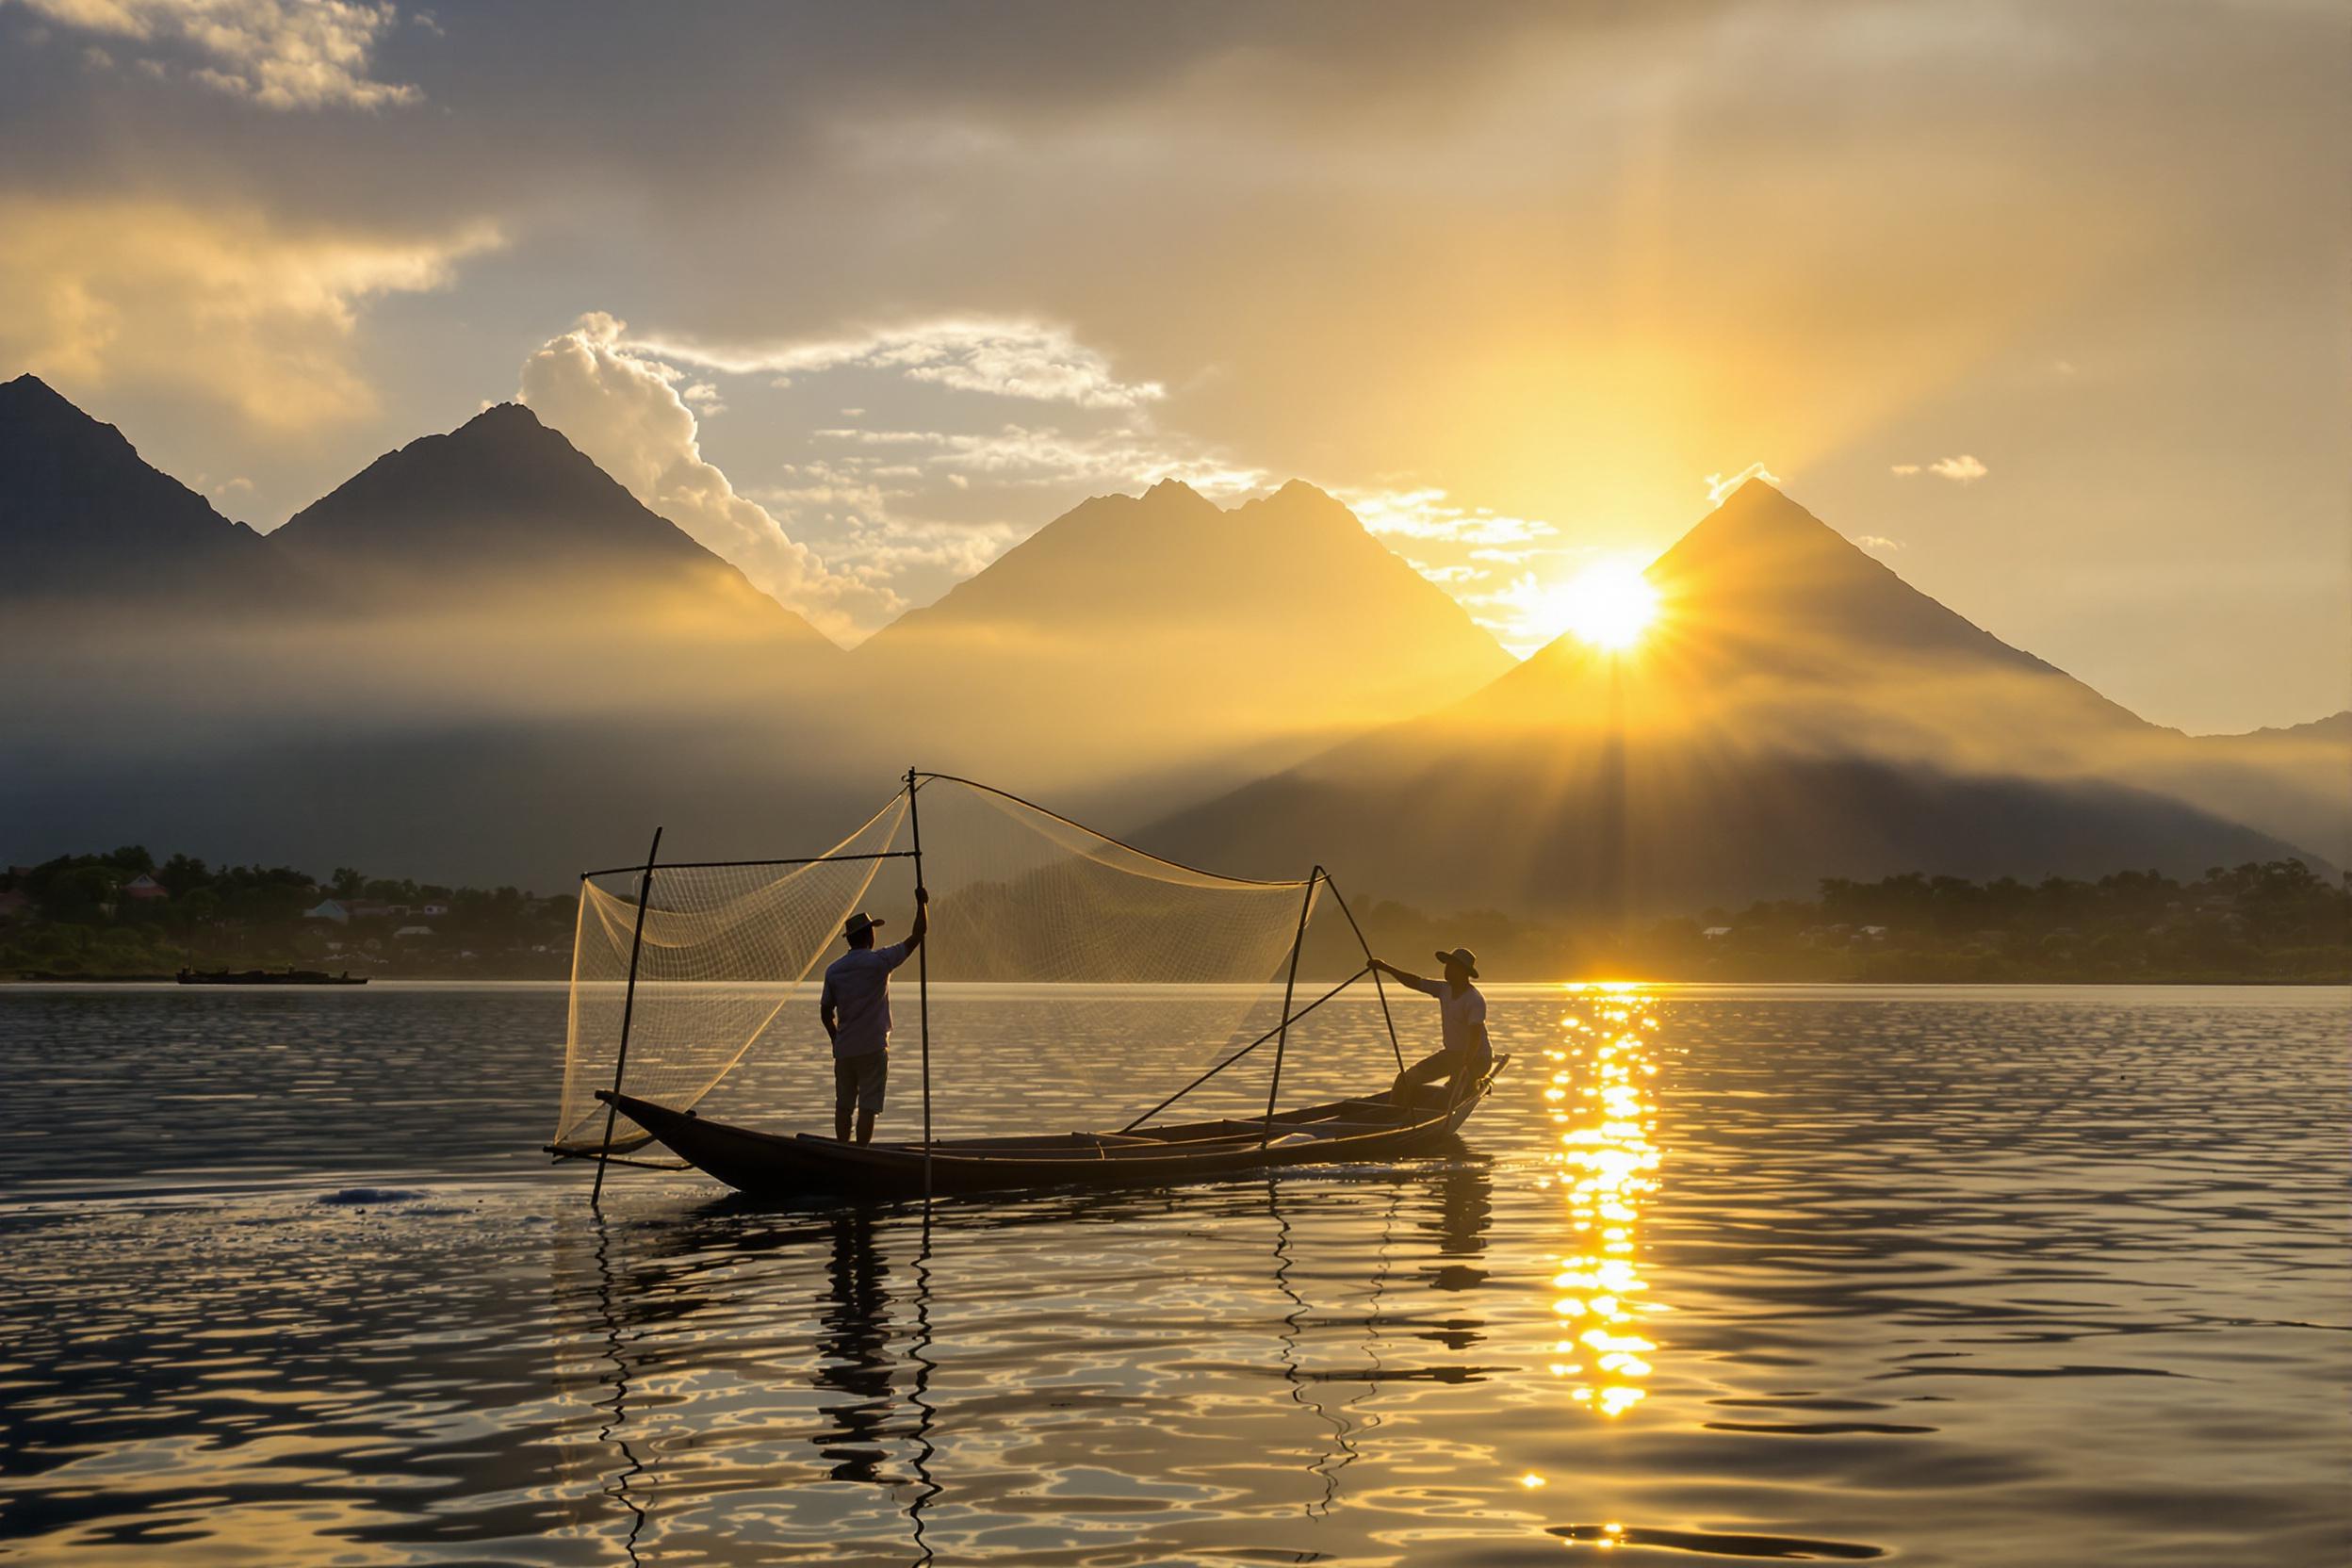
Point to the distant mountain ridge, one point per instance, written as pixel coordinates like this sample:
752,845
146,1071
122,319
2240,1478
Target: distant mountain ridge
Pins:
482,653
1798,712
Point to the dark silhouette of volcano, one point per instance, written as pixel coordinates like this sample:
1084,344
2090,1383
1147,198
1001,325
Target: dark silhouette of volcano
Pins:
506,516
83,516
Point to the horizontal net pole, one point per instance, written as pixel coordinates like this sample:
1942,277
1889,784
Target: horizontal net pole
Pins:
731,865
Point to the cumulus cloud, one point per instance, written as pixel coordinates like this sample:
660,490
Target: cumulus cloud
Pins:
280,54
1720,487
1878,542
228,305
626,412
1005,357
1904,470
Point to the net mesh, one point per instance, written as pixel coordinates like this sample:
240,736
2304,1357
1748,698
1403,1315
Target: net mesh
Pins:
726,960
1104,955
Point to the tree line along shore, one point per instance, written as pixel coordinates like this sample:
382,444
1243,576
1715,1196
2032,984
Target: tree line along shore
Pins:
123,915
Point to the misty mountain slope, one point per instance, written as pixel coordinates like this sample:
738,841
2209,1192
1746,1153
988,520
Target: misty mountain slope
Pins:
2296,780
1798,712
83,516
1135,634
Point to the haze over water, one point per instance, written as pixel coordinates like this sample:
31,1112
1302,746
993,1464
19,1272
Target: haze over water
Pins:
1935,1277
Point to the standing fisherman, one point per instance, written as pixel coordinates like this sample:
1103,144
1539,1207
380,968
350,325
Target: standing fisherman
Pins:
1465,1054
856,1008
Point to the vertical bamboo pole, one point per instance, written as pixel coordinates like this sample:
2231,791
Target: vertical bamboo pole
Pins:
922,987
1282,1037
629,1006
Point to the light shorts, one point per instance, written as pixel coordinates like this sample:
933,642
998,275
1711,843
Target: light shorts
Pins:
858,1081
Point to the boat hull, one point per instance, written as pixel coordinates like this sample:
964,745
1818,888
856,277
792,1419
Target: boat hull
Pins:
768,1164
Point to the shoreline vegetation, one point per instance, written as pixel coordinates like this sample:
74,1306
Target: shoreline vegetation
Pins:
123,916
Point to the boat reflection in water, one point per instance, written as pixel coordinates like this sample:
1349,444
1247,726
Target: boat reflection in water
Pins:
1606,1161
748,1376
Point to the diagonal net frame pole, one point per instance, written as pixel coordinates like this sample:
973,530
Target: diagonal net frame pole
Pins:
1372,966
1244,1051
1282,1034
629,1005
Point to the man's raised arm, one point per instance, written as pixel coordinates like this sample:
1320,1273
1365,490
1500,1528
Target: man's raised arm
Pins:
922,920
1408,979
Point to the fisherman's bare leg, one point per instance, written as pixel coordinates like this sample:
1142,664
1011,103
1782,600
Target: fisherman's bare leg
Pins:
865,1126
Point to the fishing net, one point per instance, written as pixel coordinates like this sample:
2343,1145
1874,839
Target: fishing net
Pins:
1088,970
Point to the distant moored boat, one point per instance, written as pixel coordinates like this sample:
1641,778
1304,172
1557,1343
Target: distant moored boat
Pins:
269,977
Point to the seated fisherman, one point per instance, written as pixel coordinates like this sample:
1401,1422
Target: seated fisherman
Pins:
1465,1055
855,1007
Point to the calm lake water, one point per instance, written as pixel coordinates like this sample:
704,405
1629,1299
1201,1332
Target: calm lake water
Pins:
1951,1276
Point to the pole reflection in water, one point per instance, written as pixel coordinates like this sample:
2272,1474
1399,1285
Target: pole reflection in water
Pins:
617,1409
871,1401
1606,1163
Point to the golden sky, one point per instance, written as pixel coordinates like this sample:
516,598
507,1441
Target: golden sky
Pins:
2042,304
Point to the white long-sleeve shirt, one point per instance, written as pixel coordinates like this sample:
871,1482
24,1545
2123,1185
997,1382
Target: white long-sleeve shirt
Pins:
1463,1012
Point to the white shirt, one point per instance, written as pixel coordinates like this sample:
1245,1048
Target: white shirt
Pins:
1463,1012
858,984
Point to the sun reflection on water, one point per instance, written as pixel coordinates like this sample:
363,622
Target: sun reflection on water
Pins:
1606,1165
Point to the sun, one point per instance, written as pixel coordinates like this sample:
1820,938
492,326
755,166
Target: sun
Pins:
1610,605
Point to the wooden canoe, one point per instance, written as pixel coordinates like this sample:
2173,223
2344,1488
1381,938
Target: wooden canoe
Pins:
1341,1132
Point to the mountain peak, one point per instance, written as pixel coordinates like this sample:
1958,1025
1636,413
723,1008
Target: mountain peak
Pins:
503,484
81,513
1174,490
28,391
499,418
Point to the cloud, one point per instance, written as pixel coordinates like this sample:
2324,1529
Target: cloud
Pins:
1003,357
625,411
1904,470
1426,514
1720,488
227,303
1123,456
1962,469
280,54
1878,542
